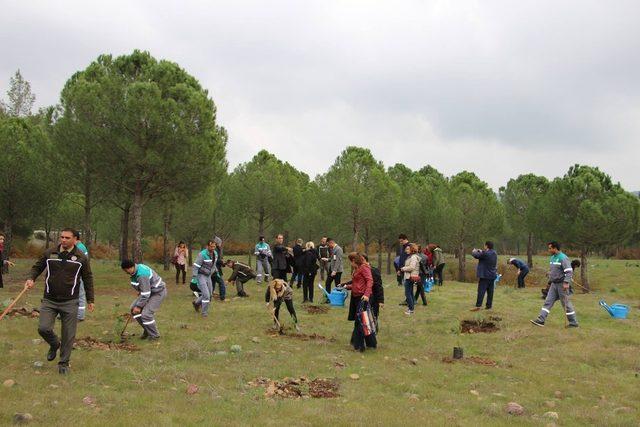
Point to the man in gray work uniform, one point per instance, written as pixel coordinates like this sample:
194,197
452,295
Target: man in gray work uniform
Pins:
151,291
560,276
65,266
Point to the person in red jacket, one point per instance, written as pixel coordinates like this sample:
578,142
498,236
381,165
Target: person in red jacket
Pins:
361,287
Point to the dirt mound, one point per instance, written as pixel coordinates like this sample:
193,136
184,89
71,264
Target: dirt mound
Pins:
297,388
89,343
317,309
23,312
471,360
476,326
287,333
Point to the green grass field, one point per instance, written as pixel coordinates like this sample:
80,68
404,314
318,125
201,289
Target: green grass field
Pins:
588,376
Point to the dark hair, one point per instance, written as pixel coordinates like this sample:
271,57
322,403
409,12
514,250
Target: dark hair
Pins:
489,244
554,244
366,257
229,261
575,264
402,236
76,233
261,238
279,234
181,242
70,230
330,239
210,242
127,263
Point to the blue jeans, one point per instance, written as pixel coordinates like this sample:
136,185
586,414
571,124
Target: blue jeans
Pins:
408,293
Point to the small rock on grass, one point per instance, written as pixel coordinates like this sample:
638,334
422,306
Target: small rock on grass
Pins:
9,383
552,415
514,408
474,392
354,376
558,394
38,364
22,418
89,400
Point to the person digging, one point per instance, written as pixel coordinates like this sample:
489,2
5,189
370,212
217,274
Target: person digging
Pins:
277,292
151,292
560,277
241,274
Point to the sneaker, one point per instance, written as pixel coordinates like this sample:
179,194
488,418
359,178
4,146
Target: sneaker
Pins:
63,369
144,335
53,352
196,307
537,322
205,315
572,325
154,338
408,312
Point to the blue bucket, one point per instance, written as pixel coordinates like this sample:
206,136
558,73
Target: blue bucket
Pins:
617,311
428,284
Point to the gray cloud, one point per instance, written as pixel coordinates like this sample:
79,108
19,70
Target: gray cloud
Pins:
498,87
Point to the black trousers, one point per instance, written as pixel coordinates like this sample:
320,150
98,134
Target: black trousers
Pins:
307,286
420,292
437,274
521,276
181,268
279,274
335,279
289,304
358,340
485,286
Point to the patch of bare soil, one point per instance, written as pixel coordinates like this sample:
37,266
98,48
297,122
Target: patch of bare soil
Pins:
89,343
23,312
317,309
476,326
288,333
298,388
471,360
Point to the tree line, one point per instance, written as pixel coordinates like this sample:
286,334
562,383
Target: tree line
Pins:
134,149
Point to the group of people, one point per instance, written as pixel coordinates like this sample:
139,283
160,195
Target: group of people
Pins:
69,290
414,267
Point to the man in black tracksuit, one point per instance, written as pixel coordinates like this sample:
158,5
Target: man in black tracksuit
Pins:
65,266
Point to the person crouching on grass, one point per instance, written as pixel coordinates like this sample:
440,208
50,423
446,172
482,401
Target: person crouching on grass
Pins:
241,274
361,287
151,291
277,292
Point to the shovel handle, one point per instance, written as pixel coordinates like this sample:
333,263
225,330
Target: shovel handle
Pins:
6,310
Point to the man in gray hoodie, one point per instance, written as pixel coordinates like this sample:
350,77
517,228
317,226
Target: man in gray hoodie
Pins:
335,265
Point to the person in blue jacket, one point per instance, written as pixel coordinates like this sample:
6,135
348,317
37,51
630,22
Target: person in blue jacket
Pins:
203,268
487,272
523,270
82,299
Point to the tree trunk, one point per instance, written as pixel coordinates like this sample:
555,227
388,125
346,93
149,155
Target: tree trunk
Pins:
354,243
165,239
518,247
87,212
124,233
261,222
47,232
530,250
136,213
190,247
462,263
8,238
380,254
584,275
388,259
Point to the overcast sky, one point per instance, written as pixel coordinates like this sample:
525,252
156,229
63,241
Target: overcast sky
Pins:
496,87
